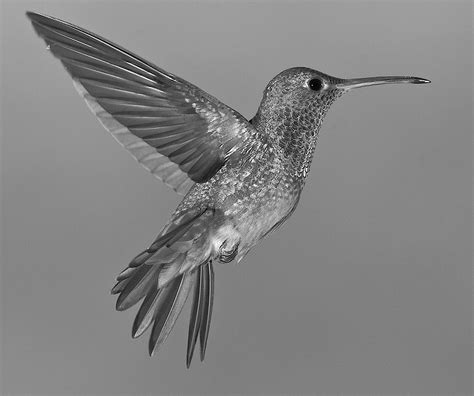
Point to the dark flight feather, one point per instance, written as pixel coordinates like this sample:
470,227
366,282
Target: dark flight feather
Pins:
137,287
196,315
172,302
208,301
156,275
178,132
146,313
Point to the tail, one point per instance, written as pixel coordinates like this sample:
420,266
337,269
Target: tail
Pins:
179,259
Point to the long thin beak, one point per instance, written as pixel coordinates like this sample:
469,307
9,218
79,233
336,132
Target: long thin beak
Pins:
369,81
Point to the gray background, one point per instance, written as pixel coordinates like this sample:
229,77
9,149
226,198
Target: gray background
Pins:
366,289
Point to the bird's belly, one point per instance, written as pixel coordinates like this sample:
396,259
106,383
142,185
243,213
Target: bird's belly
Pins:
255,201
255,220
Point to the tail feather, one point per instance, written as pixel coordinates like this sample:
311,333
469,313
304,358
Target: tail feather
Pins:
123,278
201,311
146,313
177,228
119,286
174,298
164,274
196,315
126,273
208,286
169,271
137,287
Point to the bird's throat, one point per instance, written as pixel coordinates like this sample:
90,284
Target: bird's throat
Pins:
294,142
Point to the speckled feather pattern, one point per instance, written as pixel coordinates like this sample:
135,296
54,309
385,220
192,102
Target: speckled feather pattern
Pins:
246,177
260,192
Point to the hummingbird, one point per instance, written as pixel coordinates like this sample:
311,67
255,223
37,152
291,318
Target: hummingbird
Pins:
241,179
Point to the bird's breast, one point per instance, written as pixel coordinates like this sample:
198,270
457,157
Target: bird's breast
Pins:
260,207
256,198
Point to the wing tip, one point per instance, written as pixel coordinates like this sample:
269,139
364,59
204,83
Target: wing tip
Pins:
37,17
32,14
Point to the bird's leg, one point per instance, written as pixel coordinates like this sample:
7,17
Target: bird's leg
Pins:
225,241
228,251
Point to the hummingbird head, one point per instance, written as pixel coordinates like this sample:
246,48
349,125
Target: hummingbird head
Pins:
295,102
303,91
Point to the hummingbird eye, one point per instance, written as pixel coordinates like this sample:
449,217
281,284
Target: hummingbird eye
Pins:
315,84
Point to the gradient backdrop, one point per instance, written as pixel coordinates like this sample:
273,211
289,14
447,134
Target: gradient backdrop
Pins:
366,289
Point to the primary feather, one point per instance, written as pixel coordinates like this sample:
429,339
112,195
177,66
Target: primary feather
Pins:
178,132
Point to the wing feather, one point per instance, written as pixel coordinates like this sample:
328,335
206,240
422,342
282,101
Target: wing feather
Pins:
178,132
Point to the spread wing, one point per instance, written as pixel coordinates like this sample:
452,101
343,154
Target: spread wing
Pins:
178,132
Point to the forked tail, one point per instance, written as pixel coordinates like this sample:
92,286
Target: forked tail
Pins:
179,259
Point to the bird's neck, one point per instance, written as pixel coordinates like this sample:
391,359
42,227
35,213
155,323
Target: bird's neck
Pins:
293,135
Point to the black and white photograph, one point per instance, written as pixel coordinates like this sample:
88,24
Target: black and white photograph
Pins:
236,197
